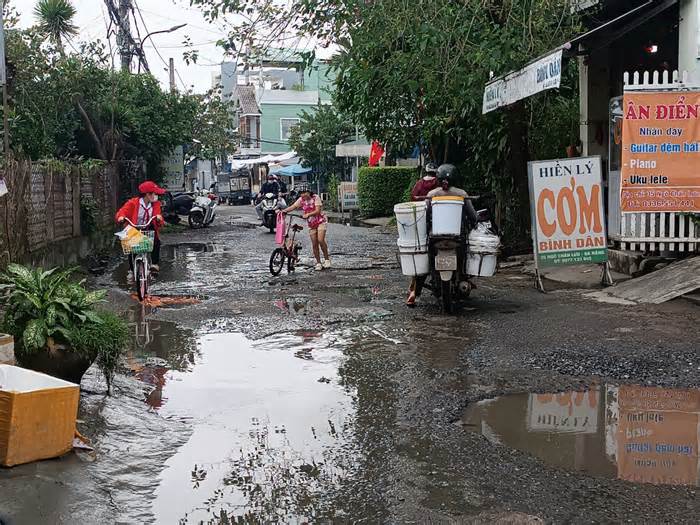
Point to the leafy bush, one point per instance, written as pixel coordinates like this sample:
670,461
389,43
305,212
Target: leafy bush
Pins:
45,311
379,189
88,215
332,187
106,340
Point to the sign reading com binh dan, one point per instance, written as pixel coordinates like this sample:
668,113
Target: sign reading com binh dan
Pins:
568,226
661,152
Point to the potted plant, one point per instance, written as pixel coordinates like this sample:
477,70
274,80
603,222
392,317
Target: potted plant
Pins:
56,326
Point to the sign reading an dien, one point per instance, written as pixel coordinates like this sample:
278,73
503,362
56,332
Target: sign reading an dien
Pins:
568,221
661,152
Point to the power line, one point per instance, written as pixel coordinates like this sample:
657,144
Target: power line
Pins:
167,65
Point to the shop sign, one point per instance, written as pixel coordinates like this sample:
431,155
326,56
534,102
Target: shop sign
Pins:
174,165
538,76
347,195
657,436
564,412
568,222
661,152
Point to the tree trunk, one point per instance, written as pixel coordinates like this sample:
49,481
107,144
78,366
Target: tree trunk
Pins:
517,167
91,130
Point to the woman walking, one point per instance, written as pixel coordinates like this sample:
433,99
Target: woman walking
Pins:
312,208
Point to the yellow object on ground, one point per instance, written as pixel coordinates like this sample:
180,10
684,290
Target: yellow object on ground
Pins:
37,416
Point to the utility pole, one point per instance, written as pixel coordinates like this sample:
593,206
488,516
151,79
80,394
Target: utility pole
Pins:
124,36
3,80
172,76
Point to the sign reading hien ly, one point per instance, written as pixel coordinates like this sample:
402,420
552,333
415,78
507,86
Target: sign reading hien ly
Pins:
567,211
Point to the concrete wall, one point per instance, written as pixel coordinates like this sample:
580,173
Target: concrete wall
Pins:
320,78
594,89
270,125
689,36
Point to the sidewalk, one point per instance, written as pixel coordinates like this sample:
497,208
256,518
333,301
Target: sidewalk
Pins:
585,276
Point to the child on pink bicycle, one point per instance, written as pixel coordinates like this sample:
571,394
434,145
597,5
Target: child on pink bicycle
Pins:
312,207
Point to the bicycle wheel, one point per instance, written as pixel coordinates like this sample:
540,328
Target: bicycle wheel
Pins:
277,261
141,279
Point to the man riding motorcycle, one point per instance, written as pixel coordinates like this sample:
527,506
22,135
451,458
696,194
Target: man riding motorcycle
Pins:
274,187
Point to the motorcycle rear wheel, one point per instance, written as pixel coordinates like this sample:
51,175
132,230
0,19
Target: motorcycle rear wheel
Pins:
277,261
196,220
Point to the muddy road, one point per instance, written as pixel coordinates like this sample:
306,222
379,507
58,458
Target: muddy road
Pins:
318,398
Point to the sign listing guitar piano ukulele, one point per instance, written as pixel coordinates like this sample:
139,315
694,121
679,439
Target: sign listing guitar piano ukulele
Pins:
661,152
566,200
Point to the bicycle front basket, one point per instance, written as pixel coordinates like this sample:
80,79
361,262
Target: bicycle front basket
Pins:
141,244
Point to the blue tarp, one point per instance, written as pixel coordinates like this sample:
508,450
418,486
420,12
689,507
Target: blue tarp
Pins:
295,170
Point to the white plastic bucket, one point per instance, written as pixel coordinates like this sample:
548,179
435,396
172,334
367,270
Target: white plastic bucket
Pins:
447,215
411,222
481,264
483,250
414,259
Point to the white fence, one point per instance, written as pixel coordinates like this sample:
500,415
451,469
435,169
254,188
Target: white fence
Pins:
652,232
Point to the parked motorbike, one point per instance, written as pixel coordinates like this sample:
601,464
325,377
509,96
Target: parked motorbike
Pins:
455,255
203,210
269,211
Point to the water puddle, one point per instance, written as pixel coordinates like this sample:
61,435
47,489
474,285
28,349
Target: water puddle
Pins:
634,433
187,268
216,428
267,416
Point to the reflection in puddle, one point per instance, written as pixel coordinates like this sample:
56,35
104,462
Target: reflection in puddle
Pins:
263,429
634,433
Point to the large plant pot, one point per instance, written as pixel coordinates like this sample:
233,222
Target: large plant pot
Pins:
61,363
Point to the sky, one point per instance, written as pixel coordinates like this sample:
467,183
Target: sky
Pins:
92,18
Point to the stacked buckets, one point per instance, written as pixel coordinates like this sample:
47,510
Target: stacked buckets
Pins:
412,223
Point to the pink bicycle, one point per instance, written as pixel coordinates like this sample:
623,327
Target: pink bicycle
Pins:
288,252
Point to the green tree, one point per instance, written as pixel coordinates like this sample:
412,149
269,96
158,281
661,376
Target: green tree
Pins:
316,136
415,71
55,20
212,126
76,105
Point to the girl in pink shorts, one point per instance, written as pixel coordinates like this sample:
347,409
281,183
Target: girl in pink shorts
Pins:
311,206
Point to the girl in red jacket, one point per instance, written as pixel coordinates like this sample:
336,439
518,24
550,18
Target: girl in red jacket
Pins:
140,210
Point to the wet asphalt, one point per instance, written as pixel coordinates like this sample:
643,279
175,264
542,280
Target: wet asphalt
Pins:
318,397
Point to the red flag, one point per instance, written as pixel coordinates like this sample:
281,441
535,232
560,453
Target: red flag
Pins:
376,153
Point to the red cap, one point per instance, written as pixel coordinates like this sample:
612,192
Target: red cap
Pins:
150,187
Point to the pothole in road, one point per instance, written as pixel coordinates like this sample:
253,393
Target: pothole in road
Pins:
634,433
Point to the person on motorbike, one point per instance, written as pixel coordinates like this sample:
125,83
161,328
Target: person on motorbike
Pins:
311,205
270,186
139,210
426,184
419,193
445,175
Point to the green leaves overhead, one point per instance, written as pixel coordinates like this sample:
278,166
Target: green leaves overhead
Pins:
316,136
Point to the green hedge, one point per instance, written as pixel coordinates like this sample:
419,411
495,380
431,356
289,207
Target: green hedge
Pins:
379,189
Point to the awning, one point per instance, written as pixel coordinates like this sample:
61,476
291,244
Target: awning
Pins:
267,159
544,72
295,170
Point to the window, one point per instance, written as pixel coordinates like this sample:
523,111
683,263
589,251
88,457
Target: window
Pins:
286,125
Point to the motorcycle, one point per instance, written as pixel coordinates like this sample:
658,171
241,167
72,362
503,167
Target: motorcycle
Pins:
269,211
203,210
456,257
